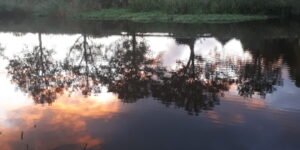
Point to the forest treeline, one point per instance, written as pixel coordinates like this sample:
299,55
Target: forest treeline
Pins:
70,7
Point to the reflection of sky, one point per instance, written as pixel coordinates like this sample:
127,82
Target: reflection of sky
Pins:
9,97
286,97
210,49
64,123
171,52
102,121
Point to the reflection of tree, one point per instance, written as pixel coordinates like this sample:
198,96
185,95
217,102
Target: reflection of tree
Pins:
259,77
192,94
81,63
1,51
37,74
190,67
186,87
264,72
291,54
129,70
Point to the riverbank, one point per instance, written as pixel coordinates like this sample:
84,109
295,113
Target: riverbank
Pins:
178,11
156,16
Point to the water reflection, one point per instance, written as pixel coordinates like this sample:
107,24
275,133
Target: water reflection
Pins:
131,69
276,51
37,74
81,66
191,86
64,125
259,77
232,86
1,50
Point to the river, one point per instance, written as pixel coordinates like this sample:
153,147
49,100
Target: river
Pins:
71,85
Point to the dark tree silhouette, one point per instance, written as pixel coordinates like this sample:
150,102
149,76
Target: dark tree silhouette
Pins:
37,74
186,88
126,68
290,51
1,51
82,66
259,77
129,70
264,72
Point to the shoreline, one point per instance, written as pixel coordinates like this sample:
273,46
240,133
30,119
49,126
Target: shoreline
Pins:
156,16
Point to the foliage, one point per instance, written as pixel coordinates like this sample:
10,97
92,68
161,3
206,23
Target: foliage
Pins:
155,16
56,7
70,7
270,7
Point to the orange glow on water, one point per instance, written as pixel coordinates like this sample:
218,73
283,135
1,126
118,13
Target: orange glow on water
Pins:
64,122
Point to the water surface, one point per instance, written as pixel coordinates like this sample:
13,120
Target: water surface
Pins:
69,85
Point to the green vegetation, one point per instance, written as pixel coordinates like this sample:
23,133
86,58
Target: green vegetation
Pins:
156,10
267,7
156,16
56,8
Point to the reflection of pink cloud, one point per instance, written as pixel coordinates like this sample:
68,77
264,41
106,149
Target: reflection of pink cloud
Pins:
63,123
238,118
250,103
232,117
214,116
6,138
225,118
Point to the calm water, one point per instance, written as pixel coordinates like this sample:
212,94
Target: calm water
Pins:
69,85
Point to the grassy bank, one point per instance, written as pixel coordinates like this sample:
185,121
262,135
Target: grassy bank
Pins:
181,11
156,16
